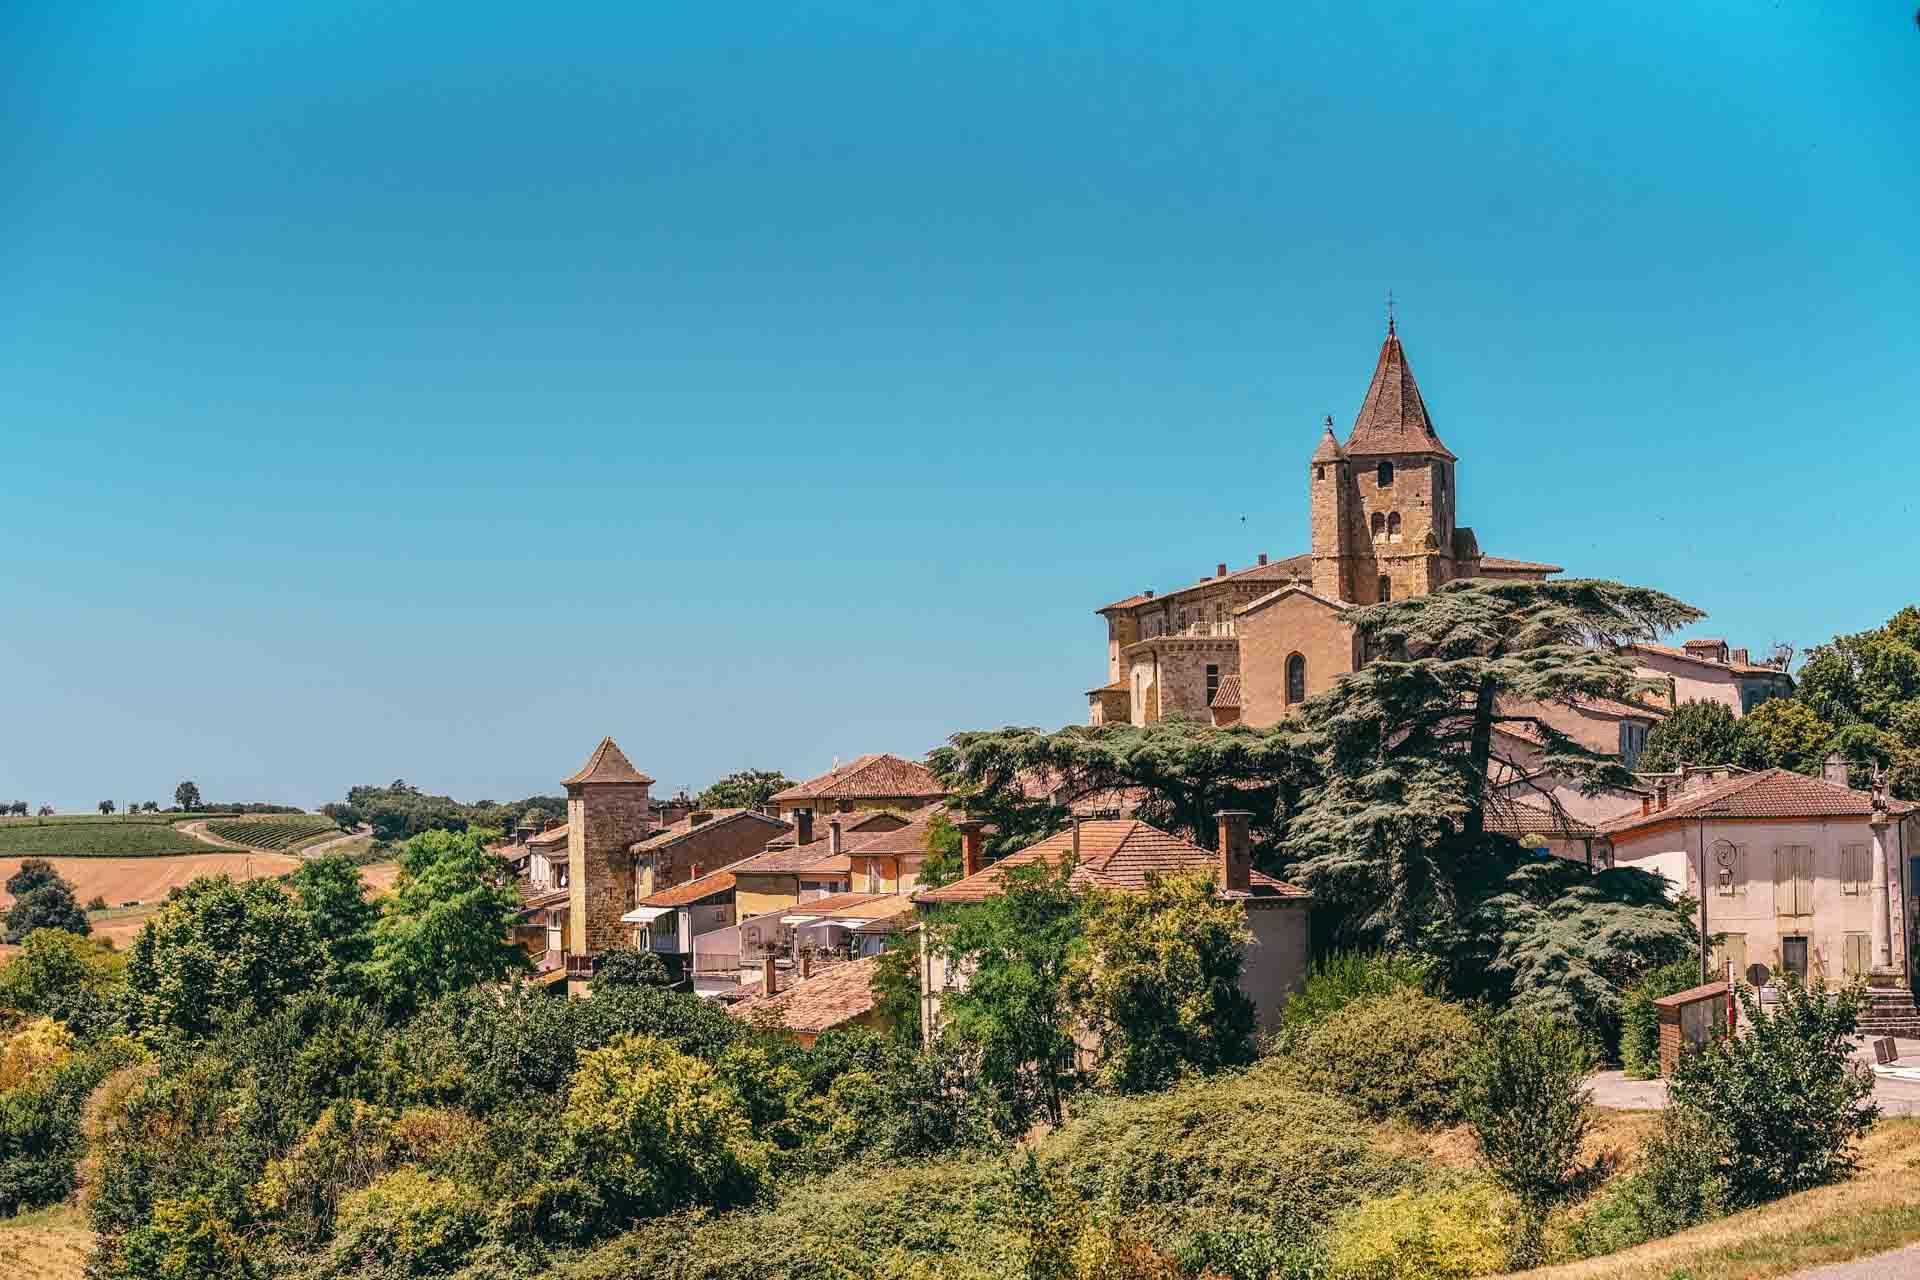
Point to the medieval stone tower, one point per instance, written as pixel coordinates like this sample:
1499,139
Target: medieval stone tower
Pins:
606,814
1383,504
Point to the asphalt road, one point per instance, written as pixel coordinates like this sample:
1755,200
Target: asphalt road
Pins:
1900,1264
1897,1090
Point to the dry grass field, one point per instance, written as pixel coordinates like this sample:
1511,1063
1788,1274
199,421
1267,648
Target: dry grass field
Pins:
49,1245
122,880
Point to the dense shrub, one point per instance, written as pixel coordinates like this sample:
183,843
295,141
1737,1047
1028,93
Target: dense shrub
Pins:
79,981
1400,1054
40,1139
1527,1101
1449,1233
1340,978
406,1223
630,967
185,1239
1676,1183
1787,1093
1640,1020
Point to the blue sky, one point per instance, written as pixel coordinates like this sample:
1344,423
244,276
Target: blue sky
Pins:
408,389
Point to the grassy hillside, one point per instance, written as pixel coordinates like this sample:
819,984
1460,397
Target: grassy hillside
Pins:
280,831
71,836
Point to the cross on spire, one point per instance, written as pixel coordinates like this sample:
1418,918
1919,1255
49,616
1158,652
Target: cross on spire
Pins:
1389,313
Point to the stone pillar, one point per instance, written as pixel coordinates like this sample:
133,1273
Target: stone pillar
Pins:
1882,918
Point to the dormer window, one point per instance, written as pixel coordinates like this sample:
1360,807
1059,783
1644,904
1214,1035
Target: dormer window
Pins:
1385,474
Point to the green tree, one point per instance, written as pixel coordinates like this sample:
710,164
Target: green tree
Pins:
186,797
1696,733
333,897
1392,835
896,989
42,900
1527,1102
66,977
106,806
219,950
448,923
1784,733
942,865
1017,949
1787,1092
744,789
630,967
1159,981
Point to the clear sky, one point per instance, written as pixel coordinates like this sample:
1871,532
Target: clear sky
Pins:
427,389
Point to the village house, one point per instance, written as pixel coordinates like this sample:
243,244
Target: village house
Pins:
807,1007
874,781
691,928
1707,670
701,840
1793,873
1119,854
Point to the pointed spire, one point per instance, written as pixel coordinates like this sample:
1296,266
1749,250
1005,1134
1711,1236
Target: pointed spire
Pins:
1329,450
1393,418
607,764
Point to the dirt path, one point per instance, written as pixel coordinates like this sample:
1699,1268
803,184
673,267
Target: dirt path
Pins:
315,850
198,830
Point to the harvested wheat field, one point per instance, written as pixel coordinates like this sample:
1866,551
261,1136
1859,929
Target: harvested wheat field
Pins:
146,880
49,1245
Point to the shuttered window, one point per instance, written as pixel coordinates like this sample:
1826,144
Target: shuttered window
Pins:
1854,957
1853,868
1793,880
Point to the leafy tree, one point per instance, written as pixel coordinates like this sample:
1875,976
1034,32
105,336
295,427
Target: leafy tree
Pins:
1017,949
745,789
46,811
1393,833
1185,772
1696,733
150,806
896,989
333,896
1527,1103
943,863
630,967
98,902
186,797
18,808
1786,1092
219,950
42,900
1640,1020
63,976
1341,978
106,806
448,923
1784,733
1159,981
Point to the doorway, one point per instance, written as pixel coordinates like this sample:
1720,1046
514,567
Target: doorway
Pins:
1793,956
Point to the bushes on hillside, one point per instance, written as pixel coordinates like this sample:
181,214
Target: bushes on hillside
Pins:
1677,1183
77,981
1401,1054
40,1117
1527,1101
1448,1233
1340,978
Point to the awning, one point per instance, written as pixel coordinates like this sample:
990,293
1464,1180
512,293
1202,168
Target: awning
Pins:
645,915
797,919
849,924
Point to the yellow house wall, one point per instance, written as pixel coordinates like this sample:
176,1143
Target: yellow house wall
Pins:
756,895
1269,635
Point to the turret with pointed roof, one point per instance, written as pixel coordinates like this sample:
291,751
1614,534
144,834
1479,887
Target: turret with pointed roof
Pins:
607,764
607,813
1393,416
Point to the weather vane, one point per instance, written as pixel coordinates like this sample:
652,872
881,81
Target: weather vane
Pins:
1389,313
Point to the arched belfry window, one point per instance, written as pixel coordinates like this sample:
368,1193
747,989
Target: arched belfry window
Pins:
1393,527
1379,523
1296,680
1386,474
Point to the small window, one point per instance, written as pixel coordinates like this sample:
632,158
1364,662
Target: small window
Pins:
1853,869
1319,471
1793,881
1386,589
1296,680
1213,682
1793,956
1855,959
1379,524
1386,474
1393,527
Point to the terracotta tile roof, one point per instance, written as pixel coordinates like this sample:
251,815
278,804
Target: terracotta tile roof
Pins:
692,891
1393,417
532,899
904,841
1300,566
1506,816
720,817
864,821
1292,588
855,906
1771,793
1622,710
1228,694
812,1005
1118,686
876,776
1743,668
607,764
816,855
1115,853
1501,564
552,836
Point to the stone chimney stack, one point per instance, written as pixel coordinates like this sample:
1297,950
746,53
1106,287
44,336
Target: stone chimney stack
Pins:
1236,850
769,976
834,839
1263,557
802,827
1077,820
806,965
1221,572
1835,769
1660,795
972,851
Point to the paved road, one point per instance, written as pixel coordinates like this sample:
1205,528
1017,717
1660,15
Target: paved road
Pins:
1900,1264
1897,1090
315,850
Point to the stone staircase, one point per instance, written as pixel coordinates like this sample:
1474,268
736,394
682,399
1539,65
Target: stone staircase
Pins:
1890,1011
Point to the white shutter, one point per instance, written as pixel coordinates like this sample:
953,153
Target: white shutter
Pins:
1783,881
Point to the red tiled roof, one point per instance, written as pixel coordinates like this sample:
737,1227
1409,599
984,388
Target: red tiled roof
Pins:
855,906
1393,418
1772,793
692,891
551,836
1273,571
607,764
1228,694
876,776
1506,816
812,1005
1744,668
1115,853
1623,710
540,900
719,818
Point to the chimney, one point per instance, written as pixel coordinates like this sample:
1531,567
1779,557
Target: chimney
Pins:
693,872
769,976
1263,557
1740,658
806,965
833,837
1646,805
1148,593
1835,769
1077,820
1221,572
1660,795
972,857
699,816
1236,852
802,827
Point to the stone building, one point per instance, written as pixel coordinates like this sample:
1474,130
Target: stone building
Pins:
1384,526
873,781
702,841
607,814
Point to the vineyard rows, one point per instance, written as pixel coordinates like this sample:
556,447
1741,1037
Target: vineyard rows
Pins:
281,831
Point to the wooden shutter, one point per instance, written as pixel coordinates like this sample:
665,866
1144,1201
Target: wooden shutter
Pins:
1740,887
1783,881
1803,882
1850,877
1853,954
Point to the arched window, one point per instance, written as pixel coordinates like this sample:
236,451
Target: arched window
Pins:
1379,523
1296,680
1393,527
1386,474
1386,589
1319,471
